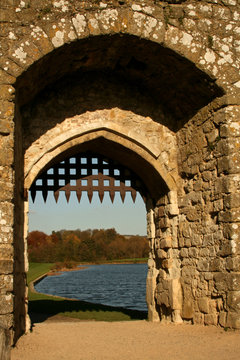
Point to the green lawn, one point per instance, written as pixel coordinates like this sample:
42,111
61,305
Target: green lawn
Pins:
50,305
38,269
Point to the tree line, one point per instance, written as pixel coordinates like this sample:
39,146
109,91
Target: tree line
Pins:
85,246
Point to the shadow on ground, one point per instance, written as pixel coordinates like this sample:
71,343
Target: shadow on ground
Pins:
41,310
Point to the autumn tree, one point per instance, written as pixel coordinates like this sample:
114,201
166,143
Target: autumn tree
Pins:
88,245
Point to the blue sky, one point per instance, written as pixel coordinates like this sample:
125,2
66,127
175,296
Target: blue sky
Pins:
127,218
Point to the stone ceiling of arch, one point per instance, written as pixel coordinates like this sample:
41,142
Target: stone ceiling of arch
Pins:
74,96
172,84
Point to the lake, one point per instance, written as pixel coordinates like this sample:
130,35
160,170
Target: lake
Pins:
120,285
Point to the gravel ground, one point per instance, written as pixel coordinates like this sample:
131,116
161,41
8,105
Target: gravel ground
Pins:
64,339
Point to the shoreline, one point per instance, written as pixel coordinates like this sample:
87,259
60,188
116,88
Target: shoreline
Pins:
85,265
64,269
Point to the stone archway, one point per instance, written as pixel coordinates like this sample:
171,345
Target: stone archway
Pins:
174,69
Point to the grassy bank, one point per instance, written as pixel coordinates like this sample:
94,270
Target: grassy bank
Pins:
49,306
38,269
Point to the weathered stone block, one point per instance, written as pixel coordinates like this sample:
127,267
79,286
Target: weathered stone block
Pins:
6,304
187,242
229,164
6,251
6,92
217,205
223,165
6,321
190,170
188,310
197,186
189,272
5,127
6,151
164,223
212,135
181,241
161,254
188,304
207,175
196,240
162,201
226,281
184,252
231,201
229,216
7,191
203,265
221,282
210,319
219,117
230,183
208,276
6,266
161,211
225,249
6,283
204,252
175,294
224,131
193,252
216,264
163,299
233,320
233,264
198,318
192,213
231,231
166,242
7,79
172,209
162,293
233,300
222,318
217,235
234,281
167,263
203,305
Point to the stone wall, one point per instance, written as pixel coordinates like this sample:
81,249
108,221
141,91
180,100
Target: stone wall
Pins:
5,344
162,80
205,250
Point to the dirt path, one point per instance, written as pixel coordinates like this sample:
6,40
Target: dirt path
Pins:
135,340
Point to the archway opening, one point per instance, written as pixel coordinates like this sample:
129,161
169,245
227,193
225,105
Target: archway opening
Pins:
95,174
